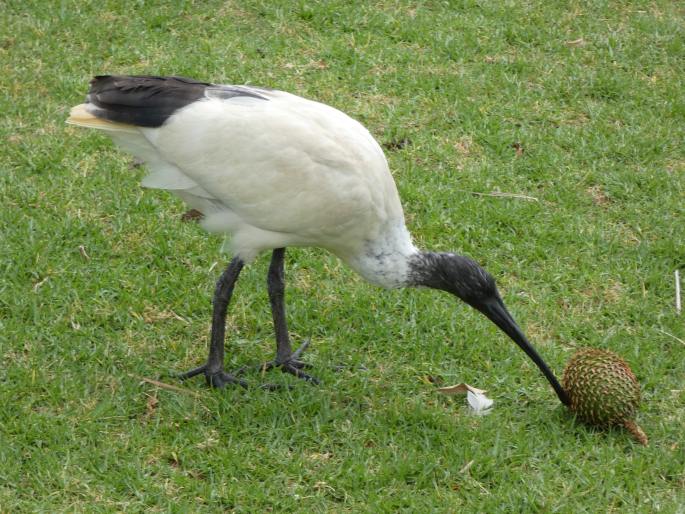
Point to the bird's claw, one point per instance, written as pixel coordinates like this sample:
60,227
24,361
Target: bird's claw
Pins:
296,354
220,379
292,365
217,379
269,365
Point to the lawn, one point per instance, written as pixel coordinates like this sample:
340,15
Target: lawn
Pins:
544,139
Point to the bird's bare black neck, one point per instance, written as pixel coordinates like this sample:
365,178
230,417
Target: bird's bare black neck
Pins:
467,280
456,274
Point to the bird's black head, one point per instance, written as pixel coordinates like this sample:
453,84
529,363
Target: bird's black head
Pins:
455,274
468,281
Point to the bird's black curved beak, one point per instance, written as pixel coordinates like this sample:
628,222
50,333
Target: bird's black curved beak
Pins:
499,315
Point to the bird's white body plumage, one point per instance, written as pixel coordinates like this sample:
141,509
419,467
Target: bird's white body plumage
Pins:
282,172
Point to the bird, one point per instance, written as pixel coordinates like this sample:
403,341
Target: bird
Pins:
271,170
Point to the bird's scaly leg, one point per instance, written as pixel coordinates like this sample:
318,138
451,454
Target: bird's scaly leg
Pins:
286,359
213,369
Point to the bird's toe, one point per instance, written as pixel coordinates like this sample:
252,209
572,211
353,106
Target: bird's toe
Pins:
218,379
290,368
221,379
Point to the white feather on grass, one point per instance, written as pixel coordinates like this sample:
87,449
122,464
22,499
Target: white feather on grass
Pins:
479,403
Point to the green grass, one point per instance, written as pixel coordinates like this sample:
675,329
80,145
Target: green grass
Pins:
591,92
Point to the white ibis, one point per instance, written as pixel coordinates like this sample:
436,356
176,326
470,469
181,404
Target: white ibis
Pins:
273,170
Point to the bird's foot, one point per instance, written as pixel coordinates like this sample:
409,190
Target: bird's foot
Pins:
291,364
295,368
218,379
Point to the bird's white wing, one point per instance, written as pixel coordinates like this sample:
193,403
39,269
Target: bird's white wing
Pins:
283,165
269,167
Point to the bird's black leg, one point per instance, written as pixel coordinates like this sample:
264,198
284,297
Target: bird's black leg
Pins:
286,359
213,369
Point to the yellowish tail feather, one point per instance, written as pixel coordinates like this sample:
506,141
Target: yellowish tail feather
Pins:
80,116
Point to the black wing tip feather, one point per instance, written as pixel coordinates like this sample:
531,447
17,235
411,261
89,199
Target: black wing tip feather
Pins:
149,100
142,100
145,80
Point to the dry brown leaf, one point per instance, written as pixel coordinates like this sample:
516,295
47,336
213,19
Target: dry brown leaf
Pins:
461,389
